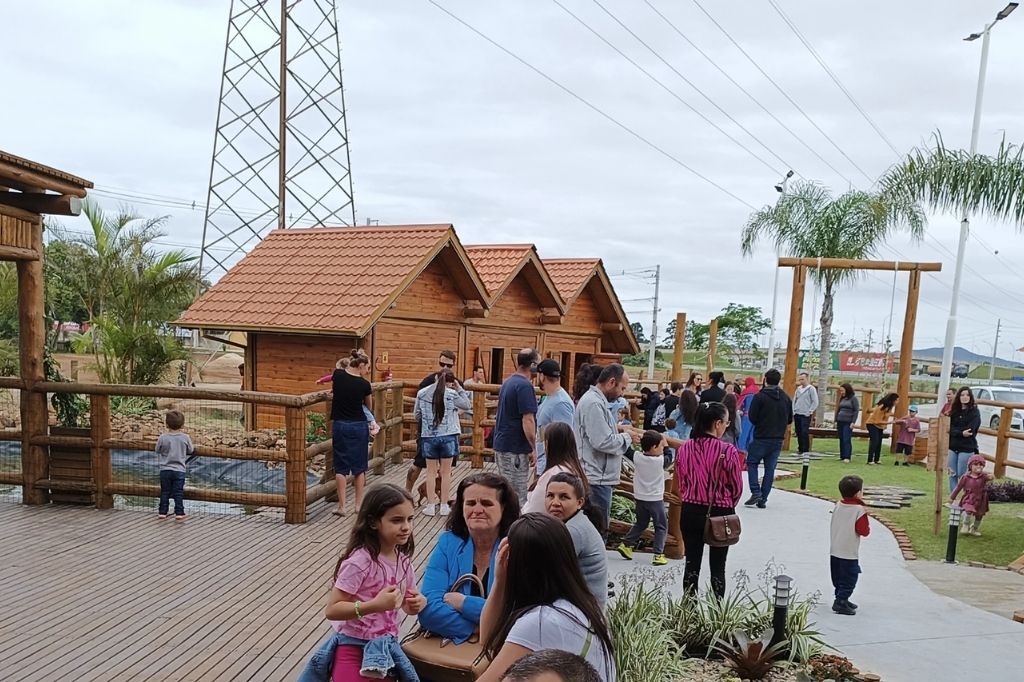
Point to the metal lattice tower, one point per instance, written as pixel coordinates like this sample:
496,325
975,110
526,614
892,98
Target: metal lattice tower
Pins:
280,150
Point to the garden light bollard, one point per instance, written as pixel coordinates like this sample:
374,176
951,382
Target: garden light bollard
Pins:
955,513
783,589
804,470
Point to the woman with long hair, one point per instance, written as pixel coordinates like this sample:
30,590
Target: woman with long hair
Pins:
586,376
542,604
437,412
732,432
710,479
847,413
350,434
694,383
964,422
563,457
566,499
878,419
685,413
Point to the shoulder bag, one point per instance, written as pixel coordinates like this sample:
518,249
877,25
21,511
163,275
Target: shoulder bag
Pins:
720,531
439,659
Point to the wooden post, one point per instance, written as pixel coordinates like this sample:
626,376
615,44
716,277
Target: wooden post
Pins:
378,445
678,347
941,448
906,352
796,319
674,528
867,402
328,475
394,437
35,464
295,467
712,346
479,414
1003,441
99,431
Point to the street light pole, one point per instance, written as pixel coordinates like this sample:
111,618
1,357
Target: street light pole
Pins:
770,357
965,224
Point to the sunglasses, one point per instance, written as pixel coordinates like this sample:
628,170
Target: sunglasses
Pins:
447,365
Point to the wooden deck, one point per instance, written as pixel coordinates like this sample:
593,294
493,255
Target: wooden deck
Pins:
91,594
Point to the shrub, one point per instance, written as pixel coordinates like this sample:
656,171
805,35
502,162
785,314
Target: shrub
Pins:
1006,491
316,428
646,650
623,509
828,667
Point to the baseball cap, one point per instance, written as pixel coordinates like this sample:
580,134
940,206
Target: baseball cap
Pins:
549,368
913,408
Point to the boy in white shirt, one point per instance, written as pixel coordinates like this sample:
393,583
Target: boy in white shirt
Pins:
649,493
849,525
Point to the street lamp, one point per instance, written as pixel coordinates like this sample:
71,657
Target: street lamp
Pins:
770,358
783,590
965,224
955,512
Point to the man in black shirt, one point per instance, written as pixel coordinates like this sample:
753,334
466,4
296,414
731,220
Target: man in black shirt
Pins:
715,392
446,360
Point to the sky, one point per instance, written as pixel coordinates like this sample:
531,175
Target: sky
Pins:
445,126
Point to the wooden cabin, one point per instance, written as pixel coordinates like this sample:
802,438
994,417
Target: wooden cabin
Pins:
306,297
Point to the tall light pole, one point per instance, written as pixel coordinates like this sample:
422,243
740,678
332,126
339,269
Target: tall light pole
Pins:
965,225
770,358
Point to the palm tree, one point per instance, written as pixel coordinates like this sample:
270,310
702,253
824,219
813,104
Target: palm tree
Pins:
954,181
808,222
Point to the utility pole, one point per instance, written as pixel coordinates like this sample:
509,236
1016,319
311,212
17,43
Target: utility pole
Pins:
995,346
870,331
769,360
654,324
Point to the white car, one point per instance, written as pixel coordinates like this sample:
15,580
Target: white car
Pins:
990,413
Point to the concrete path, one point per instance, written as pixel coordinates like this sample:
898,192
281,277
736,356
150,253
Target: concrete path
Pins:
904,632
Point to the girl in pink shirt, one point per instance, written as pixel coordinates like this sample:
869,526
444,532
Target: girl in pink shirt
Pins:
373,579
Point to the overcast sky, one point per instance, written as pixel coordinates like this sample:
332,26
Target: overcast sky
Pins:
446,127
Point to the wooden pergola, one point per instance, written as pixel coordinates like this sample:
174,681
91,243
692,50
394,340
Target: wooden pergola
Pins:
29,190
796,312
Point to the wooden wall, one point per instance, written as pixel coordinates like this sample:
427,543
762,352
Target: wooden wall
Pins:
412,348
16,232
583,314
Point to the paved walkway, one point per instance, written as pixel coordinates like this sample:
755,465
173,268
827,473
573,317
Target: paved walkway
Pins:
904,632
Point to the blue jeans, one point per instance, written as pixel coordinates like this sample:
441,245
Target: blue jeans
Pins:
645,513
956,462
802,425
601,496
172,484
875,434
380,655
845,432
844,576
762,451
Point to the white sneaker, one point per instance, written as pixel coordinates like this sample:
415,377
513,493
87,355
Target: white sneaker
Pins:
444,510
429,510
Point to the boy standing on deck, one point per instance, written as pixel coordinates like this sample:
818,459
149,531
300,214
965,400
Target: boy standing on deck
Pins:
172,450
849,525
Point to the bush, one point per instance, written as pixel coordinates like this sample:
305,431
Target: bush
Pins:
316,428
1006,491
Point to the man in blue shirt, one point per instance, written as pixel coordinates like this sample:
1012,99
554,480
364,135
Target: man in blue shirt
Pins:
555,406
515,425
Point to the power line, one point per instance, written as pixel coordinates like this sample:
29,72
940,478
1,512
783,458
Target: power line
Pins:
832,75
591,106
746,92
782,91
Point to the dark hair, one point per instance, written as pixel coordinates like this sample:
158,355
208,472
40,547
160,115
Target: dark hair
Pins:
450,354
357,358
379,498
581,488
441,381
675,386
531,583
772,377
560,449
730,405
527,357
691,380
850,485
507,498
671,423
889,401
665,392
716,377
568,667
707,415
650,439
688,404
804,374
613,371
645,390
586,376
847,390
478,367
958,407
174,419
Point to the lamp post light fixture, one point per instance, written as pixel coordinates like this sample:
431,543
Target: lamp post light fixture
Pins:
955,513
803,471
783,591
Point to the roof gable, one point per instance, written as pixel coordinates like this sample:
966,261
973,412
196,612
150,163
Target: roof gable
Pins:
330,280
572,276
498,265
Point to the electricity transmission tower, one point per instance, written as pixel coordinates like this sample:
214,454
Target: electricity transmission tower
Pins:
280,150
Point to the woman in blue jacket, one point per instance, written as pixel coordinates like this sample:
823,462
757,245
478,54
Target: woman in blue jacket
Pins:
485,508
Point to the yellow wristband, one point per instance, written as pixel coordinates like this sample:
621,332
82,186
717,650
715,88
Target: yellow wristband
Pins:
359,616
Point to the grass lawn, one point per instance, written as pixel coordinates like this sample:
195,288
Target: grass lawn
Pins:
1003,527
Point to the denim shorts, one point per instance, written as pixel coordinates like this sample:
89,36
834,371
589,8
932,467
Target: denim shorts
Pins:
440,447
351,441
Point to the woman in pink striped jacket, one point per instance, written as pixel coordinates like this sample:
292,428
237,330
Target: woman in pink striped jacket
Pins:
709,472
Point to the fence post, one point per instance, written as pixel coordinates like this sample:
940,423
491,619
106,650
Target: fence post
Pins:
99,455
377,448
1003,441
394,437
329,456
479,414
295,467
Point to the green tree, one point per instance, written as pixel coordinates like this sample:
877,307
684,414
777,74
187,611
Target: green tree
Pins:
809,222
697,335
740,325
638,332
670,333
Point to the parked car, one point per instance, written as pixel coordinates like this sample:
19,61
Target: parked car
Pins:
990,413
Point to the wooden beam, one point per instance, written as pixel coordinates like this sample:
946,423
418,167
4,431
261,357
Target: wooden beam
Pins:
611,327
295,467
850,264
8,253
21,214
475,311
796,318
712,346
40,181
49,204
906,351
35,465
550,316
678,347
184,392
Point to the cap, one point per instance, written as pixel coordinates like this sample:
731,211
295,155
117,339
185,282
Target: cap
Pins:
913,408
549,368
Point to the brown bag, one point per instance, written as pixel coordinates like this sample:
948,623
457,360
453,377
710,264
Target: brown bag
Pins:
440,660
720,531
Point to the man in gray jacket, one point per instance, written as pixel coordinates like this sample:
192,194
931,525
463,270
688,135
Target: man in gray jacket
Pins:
601,444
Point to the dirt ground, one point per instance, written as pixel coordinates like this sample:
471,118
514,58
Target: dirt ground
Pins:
216,370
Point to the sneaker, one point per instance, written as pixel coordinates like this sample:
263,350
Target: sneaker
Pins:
761,504
444,509
852,605
626,552
906,464
975,532
964,530
659,560
429,510
754,499
843,608
896,464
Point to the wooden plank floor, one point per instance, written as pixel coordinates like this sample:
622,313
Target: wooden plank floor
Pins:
120,595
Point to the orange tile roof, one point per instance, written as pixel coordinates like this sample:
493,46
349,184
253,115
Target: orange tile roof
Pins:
570,275
498,263
336,280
